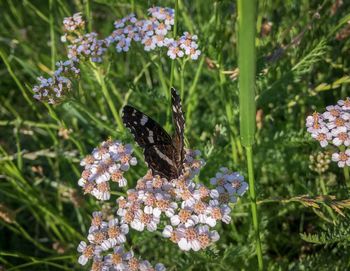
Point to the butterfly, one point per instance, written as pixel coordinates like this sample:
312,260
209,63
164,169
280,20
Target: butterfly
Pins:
164,154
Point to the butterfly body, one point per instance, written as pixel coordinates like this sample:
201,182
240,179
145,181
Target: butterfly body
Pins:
164,154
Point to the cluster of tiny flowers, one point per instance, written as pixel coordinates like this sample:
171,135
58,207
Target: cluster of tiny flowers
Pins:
106,250
189,209
333,127
53,89
107,162
87,46
81,45
319,162
74,23
152,33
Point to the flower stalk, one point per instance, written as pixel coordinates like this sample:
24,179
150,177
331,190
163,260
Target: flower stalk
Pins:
247,66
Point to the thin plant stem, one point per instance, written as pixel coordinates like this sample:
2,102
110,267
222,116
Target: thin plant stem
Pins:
253,205
346,176
182,77
52,36
16,79
247,72
322,185
101,80
87,5
345,170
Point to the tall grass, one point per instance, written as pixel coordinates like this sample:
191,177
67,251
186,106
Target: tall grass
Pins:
247,108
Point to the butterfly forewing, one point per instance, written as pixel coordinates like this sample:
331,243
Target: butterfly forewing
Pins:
145,130
179,123
163,154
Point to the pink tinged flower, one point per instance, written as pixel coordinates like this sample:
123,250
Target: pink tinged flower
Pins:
87,252
343,158
341,136
174,51
161,29
189,239
118,260
101,191
323,136
97,222
314,122
149,43
332,112
194,54
344,104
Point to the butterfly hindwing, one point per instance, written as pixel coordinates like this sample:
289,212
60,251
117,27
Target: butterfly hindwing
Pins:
164,154
160,159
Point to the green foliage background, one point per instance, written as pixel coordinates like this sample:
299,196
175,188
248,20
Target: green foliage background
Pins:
301,67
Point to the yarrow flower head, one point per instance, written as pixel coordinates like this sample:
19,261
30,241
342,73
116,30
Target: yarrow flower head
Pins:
106,250
332,127
187,211
152,33
53,89
190,209
87,46
106,163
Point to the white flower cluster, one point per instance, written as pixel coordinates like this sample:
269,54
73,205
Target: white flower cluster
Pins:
52,89
107,162
74,23
190,209
106,249
152,33
333,127
187,211
87,46
81,44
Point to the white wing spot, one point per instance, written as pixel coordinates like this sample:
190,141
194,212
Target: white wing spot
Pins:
150,136
144,120
164,157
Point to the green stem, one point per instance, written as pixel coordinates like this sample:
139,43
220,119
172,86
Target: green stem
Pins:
253,205
101,80
346,176
52,36
182,79
247,107
88,14
322,184
15,78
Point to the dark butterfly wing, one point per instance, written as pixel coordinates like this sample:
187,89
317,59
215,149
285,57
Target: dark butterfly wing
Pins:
179,123
156,142
146,131
161,160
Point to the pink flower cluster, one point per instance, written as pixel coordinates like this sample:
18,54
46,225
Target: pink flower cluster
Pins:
152,33
106,249
186,211
53,89
107,162
189,209
333,127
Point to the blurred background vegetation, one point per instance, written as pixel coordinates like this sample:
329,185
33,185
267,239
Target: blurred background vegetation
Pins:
303,65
